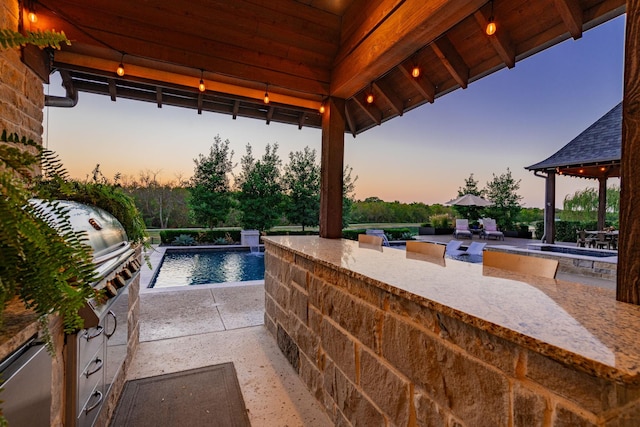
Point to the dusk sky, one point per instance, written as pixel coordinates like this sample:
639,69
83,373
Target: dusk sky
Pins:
510,119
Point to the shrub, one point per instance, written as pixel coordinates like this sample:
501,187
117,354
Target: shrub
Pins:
184,240
441,221
202,237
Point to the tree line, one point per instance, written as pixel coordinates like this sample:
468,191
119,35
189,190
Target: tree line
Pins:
266,193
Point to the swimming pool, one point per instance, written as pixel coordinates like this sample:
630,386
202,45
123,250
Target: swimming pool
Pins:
203,266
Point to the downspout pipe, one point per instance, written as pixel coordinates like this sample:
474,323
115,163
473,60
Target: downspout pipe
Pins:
68,101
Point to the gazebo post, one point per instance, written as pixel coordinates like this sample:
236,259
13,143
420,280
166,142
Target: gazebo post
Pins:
550,208
331,168
628,286
602,202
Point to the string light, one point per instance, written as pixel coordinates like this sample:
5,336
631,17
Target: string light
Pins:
321,109
491,26
32,17
201,86
415,72
120,69
266,94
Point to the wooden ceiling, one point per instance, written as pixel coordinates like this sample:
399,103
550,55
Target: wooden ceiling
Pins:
302,51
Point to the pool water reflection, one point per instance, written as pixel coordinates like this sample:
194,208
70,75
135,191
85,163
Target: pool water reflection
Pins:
200,267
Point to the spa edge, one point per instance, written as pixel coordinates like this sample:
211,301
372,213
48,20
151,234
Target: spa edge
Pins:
383,337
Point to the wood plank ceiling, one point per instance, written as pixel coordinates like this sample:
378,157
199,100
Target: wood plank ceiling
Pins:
302,51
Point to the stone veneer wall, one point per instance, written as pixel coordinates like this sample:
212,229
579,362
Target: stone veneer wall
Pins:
21,90
375,359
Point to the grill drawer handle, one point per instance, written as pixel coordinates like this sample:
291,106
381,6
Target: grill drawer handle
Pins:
99,331
115,324
95,405
99,364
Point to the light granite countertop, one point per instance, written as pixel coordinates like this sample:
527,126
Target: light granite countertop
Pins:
578,325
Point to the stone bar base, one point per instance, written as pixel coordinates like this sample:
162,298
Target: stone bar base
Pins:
374,358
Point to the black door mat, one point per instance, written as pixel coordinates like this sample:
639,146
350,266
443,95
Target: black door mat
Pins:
208,396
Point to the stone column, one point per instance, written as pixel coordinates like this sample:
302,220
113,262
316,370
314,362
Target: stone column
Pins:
333,127
628,289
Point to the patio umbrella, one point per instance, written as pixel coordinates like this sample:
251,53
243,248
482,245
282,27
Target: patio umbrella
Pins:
469,200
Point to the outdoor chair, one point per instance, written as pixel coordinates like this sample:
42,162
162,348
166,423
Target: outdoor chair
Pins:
368,239
462,229
583,240
453,245
524,264
379,233
490,229
601,241
475,248
426,248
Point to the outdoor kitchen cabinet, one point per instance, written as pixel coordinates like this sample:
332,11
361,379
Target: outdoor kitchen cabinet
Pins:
94,357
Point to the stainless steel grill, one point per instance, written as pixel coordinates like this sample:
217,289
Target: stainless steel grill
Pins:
95,354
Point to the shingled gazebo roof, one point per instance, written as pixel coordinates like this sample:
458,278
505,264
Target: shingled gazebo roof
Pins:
592,154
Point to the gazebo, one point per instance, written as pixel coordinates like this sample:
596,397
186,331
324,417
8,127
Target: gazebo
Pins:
594,154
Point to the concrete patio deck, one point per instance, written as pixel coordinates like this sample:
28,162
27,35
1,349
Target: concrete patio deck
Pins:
194,326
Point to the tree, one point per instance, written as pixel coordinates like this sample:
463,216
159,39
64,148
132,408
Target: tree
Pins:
162,204
472,213
502,191
301,182
583,205
348,198
210,199
260,198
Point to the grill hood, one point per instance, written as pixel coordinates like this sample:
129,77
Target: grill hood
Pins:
104,233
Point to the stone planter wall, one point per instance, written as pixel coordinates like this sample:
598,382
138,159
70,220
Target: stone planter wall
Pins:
376,359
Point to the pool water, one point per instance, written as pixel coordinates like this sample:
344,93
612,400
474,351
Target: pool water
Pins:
208,266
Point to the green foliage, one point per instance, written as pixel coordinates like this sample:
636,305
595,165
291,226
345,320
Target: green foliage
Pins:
301,183
441,221
583,205
530,215
161,204
472,213
375,210
261,194
99,192
210,200
291,233
566,230
502,191
201,237
402,233
44,262
42,39
184,240
348,198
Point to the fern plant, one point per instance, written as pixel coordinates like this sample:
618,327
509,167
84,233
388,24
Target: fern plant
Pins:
44,261
42,39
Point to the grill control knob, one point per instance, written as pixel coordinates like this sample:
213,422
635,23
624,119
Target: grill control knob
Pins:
133,266
119,281
126,273
111,290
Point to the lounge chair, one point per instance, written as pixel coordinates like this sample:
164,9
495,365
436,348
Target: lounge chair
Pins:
379,233
453,245
475,248
490,229
462,229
